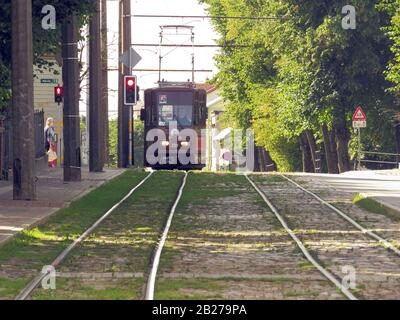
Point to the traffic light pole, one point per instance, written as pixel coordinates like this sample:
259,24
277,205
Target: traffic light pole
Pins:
22,101
96,114
123,110
104,78
70,70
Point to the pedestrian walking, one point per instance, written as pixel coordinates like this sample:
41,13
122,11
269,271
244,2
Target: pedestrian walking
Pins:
50,143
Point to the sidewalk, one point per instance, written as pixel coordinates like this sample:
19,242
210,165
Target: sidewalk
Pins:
383,186
53,194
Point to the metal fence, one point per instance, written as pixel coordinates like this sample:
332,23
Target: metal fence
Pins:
380,160
6,150
39,134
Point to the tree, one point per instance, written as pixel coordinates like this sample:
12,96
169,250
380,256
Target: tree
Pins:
45,42
313,70
392,29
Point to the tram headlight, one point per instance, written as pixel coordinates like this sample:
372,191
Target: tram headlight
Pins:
185,144
165,143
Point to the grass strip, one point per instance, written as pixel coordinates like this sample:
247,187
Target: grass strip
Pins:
123,243
374,206
24,256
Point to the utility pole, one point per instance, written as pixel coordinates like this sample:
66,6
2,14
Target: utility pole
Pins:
70,71
104,77
96,120
22,101
123,110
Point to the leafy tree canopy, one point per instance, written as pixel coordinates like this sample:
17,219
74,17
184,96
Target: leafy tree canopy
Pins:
302,69
44,41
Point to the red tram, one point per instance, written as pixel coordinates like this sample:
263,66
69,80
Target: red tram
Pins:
175,117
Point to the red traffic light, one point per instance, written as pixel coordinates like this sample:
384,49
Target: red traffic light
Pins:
130,90
58,94
130,82
59,91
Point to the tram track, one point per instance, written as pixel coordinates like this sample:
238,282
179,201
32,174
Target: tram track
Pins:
151,282
228,254
32,285
301,245
370,233
333,239
204,247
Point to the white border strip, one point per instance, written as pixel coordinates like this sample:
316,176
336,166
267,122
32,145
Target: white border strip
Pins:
151,283
321,269
373,235
36,281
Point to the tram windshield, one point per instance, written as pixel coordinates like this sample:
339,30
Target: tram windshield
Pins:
175,107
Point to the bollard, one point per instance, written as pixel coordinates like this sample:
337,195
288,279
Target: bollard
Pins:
78,157
17,167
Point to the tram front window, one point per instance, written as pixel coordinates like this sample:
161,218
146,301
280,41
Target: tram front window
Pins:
182,115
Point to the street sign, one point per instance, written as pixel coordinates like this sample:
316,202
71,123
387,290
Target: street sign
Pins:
130,58
49,81
359,124
359,115
359,121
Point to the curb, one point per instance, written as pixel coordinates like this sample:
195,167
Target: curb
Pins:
385,204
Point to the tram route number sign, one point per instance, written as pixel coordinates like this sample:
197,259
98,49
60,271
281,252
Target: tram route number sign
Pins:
359,118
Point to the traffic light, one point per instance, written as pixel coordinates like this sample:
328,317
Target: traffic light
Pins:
58,94
130,92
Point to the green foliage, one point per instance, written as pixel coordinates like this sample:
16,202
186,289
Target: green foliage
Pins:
303,70
392,29
138,140
113,140
139,143
45,42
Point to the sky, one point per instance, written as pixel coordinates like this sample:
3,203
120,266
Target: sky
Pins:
147,30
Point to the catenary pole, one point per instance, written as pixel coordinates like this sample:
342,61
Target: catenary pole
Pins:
70,71
123,110
96,114
104,75
22,101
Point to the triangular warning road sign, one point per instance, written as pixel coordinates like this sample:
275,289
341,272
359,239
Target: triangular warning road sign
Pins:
359,115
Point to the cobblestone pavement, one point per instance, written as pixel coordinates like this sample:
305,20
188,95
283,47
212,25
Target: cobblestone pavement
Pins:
336,243
224,243
387,227
234,248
